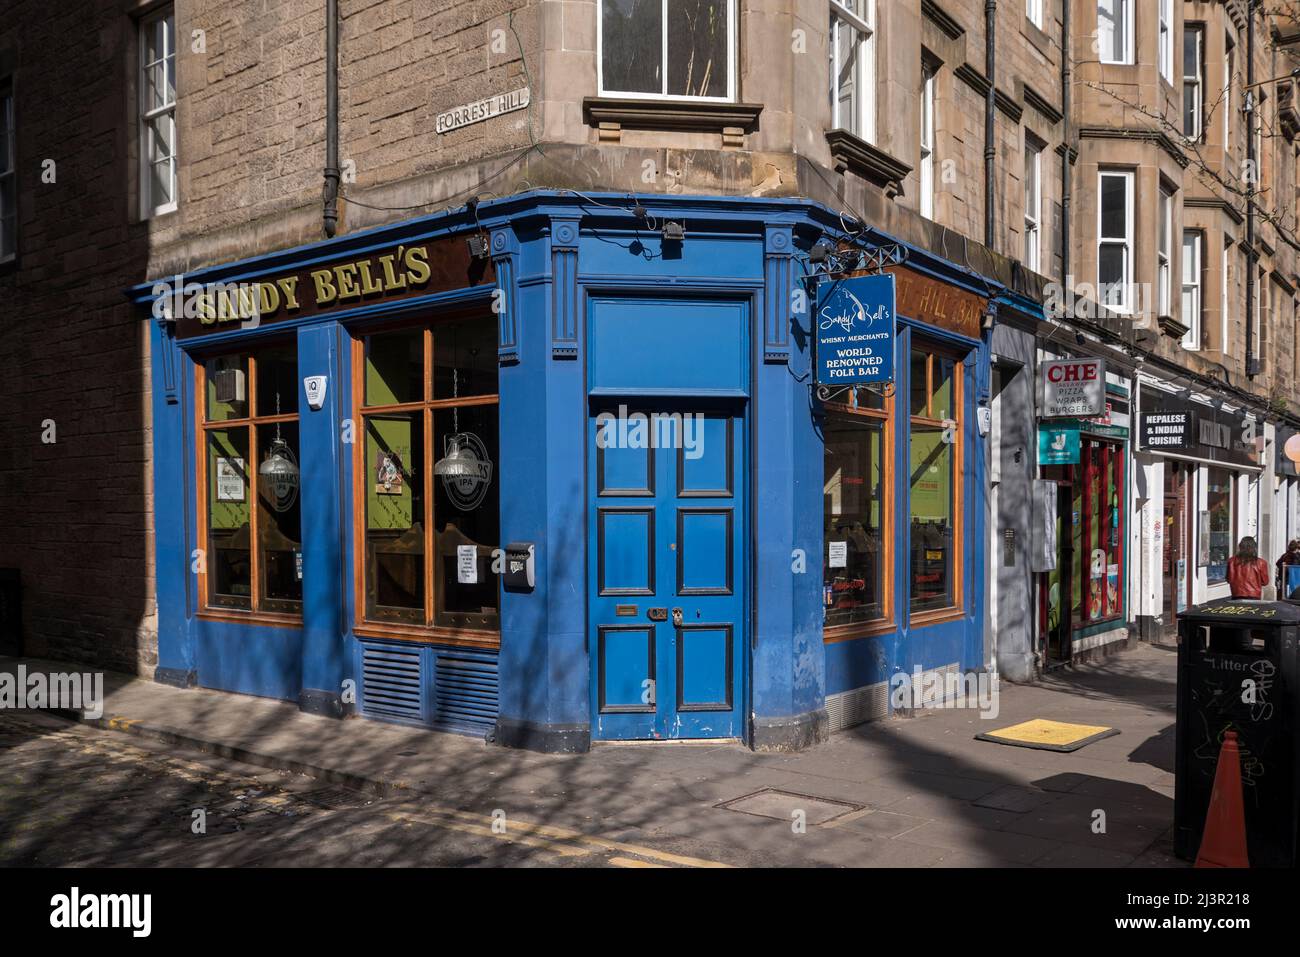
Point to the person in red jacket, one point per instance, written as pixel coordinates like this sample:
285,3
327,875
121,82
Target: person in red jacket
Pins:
1247,572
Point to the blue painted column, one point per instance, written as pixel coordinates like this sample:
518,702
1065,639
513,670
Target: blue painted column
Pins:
789,662
323,580
544,670
173,561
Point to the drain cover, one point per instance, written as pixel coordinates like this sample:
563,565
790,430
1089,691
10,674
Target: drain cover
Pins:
337,798
781,805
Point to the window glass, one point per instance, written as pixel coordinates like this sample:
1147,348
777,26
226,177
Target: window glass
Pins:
697,47
920,384
932,528
227,388
395,367
279,526
633,47
466,517
229,563
941,403
394,493
1114,207
277,382
1219,503
464,359
853,565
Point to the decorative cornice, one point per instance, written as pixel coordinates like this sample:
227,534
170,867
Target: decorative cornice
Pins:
941,19
857,156
671,114
1007,104
1036,100
1062,149
1147,136
1280,278
1210,202
970,75
1172,327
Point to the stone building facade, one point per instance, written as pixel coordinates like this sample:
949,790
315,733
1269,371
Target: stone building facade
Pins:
877,112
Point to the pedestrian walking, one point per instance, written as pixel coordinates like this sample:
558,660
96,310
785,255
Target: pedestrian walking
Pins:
1247,572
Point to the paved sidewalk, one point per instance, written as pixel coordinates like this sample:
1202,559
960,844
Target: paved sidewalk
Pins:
914,792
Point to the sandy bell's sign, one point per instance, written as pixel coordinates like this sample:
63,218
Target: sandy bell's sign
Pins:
1072,388
856,325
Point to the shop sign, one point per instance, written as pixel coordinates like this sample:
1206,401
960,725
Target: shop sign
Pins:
1168,430
389,274
855,331
468,489
1288,452
1058,445
938,303
1073,388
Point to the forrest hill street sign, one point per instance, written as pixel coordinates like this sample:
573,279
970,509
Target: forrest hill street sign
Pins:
482,110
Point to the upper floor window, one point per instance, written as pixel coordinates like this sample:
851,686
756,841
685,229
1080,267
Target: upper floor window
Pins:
927,141
1034,11
1033,206
1229,107
1194,82
1115,31
668,48
1166,52
1193,253
1164,234
8,186
853,67
1115,240
158,113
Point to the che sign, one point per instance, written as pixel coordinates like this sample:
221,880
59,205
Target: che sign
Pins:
855,331
1073,388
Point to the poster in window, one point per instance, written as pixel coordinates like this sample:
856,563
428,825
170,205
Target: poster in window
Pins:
230,479
389,502
1112,590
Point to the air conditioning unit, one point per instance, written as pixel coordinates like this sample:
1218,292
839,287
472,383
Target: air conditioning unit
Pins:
229,384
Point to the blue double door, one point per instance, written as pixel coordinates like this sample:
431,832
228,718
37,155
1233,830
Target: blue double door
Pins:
666,613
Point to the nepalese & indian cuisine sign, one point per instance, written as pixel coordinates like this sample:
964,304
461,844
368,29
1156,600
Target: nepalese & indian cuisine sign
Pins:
399,272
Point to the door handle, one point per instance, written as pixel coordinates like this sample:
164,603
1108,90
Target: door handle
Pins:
677,618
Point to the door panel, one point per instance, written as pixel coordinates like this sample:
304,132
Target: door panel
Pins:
667,603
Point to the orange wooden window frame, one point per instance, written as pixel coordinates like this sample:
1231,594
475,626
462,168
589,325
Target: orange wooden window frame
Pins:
957,608
254,613
886,622
426,405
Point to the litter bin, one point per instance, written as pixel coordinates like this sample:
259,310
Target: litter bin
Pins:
1237,671
11,612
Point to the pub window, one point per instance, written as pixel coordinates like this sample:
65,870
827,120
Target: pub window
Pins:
158,113
1219,504
935,500
8,184
250,509
427,482
668,48
857,518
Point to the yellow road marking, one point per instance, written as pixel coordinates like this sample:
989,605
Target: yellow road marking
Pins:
564,850
629,862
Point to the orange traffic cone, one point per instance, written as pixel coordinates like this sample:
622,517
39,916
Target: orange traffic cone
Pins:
1224,842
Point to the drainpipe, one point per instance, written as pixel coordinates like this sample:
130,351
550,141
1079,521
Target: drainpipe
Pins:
331,213
1066,173
990,150
1252,362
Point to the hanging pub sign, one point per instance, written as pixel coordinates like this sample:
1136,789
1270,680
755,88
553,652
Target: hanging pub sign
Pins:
1072,388
856,326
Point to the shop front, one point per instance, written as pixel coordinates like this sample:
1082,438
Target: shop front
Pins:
534,472
1082,601
1198,472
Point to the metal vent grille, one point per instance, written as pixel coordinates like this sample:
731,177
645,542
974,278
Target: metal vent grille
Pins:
465,692
390,681
854,707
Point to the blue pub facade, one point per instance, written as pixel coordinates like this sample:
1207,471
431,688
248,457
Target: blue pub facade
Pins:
385,483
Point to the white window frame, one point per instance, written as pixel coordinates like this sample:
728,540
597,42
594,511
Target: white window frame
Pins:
1125,305
1195,77
9,164
927,140
1223,297
663,61
1193,258
1165,16
843,18
148,208
1123,17
1033,207
1034,11
1164,253
1229,56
